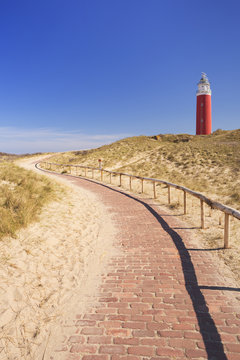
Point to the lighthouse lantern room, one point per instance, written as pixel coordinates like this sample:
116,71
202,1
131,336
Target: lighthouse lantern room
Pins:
204,120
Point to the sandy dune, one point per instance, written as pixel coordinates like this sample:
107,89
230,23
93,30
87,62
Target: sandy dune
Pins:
51,269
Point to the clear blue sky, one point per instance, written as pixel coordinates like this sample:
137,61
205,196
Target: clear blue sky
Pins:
79,73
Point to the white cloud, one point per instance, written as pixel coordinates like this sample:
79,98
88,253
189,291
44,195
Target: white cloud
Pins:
19,141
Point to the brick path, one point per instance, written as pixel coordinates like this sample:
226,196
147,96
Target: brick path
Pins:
162,299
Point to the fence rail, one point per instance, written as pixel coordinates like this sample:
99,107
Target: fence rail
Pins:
228,211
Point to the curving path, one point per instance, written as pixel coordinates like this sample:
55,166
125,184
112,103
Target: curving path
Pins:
162,299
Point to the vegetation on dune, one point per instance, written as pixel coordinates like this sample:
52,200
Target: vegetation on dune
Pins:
113,155
7,157
22,195
209,164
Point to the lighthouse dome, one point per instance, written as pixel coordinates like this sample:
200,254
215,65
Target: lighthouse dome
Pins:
204,79
204,86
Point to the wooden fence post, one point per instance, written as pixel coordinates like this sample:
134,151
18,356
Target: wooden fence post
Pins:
110,178
142,185
101,175
220,220
120,180
202,214
226,231
169,194
154,190
92,174
185,202
130,183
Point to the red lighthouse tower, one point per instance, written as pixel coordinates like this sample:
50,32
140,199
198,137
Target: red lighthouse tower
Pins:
204,118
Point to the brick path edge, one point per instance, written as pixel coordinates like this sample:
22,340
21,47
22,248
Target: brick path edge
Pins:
161,299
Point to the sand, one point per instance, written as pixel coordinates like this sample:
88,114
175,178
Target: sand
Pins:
52,270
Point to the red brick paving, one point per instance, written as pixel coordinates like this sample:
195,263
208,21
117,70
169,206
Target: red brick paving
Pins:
158,300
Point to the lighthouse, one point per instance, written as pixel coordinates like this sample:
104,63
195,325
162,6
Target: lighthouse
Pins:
204,118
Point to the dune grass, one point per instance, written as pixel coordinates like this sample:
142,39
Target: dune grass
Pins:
209,164
22,195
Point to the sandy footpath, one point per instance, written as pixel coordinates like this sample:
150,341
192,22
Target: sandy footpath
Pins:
52,270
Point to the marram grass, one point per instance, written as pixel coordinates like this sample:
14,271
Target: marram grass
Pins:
22,195
208,164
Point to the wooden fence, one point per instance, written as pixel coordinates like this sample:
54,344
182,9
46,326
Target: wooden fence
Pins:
203,199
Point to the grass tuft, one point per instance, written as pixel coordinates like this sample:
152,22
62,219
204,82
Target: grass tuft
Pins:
22,195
